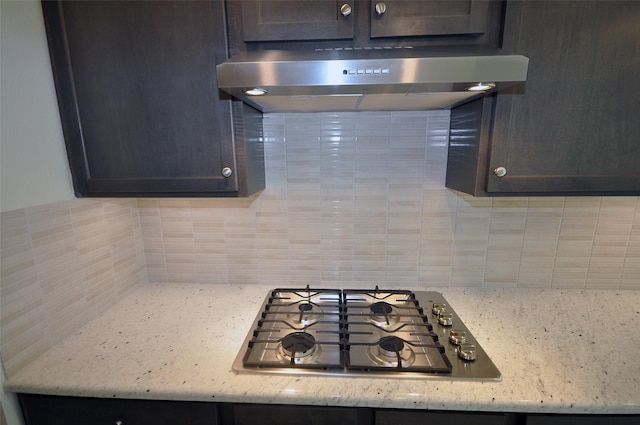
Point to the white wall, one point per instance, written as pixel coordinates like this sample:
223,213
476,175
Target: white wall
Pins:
33,163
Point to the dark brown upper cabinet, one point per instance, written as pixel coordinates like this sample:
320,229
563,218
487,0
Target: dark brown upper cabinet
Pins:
396,18
361,23
573,128
139,103
286,20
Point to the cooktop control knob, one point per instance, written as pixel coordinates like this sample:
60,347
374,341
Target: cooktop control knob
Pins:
445,319
466,351
457,336
438,308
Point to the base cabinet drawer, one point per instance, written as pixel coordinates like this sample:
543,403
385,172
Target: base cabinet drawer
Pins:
54,410
583,420
403,417
274,414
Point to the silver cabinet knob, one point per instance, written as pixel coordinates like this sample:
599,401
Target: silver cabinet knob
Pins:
226,172
118,422
380,7
346,10
500,171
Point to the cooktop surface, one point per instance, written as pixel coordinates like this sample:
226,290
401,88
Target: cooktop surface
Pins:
368,333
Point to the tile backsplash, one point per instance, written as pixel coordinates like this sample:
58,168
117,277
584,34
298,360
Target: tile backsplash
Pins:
62,265
359,198
352,199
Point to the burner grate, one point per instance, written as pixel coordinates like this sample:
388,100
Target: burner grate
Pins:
345,329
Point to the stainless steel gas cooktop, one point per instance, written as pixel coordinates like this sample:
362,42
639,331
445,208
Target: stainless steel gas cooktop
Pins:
369,333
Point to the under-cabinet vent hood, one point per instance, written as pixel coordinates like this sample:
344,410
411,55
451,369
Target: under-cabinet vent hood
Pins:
397,78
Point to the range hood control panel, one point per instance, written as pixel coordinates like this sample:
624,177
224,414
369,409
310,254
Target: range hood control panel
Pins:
366,71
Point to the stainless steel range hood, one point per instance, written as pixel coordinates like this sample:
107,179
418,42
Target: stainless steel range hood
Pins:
398,78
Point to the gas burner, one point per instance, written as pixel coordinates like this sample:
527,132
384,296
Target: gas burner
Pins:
391,351
305,313
382,314
298,348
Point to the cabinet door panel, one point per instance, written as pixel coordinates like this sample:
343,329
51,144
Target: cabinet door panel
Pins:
575,126
420,18
404,417
583,420
269,20
54,410
138,96
262,414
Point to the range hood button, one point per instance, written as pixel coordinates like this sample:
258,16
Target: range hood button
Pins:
346,10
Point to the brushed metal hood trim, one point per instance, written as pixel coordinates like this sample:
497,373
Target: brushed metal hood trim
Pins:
369,76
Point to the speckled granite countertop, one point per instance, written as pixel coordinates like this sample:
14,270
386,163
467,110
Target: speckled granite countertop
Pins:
559,351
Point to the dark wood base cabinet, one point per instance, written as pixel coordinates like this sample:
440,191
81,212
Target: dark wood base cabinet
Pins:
406,417
268,414
583,420
54,410
57,410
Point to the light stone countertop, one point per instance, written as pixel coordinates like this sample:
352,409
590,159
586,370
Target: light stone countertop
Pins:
559,351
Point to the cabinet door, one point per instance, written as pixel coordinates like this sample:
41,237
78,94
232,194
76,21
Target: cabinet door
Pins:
406,417
396,18
583,420
273,20
54,410
574,128
264,414
138,97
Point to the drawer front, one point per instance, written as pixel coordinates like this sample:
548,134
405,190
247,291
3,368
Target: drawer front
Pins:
403,417
53,410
